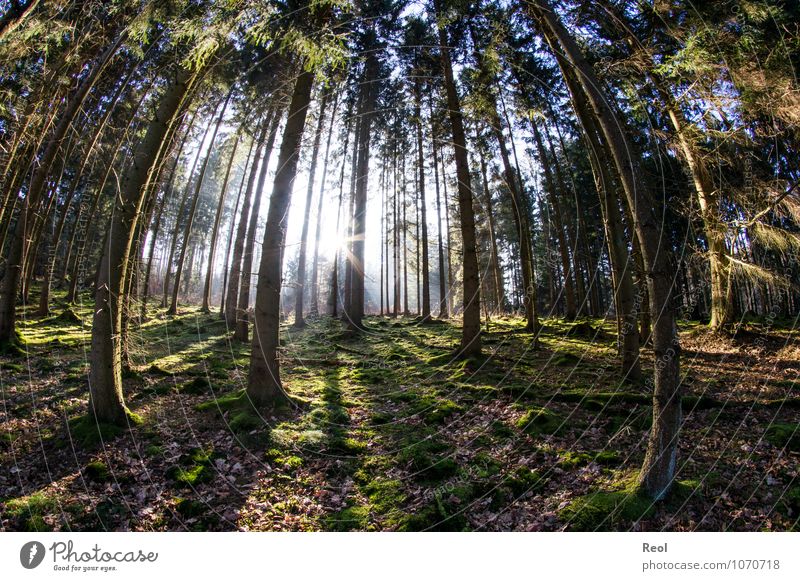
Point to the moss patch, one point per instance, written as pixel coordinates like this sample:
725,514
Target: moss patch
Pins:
97,471
540,421
29,511
784,436
87,431
603,511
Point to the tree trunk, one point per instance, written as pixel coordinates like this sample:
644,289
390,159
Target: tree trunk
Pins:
314,306
264,383
232,229
471,338
15,259
242,320
232,294
301,262
206,306
426,287
105,375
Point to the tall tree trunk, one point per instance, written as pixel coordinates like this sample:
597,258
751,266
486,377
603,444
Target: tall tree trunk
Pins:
333,299
249,165
264,382
471,330
299,321
621,264
426,287
563,244
443,310
314,306
105,375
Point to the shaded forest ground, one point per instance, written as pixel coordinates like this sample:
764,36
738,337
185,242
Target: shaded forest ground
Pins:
395,435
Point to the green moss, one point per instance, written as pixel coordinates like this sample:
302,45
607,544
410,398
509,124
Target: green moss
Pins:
523,480
784,436
195,467
15,367
197,386
288,461
540,421
158,370
87,431
154,450
97,471
427,460
190,476
348,519
245,421
570,460
385,495
14,347
566,360
602,511
346,446
189,508
29,511
442,409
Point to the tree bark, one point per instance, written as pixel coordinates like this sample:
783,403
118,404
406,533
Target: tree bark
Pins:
243,304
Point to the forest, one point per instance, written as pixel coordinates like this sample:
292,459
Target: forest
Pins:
394,265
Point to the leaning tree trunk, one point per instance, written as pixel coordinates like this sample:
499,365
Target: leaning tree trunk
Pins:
264,382
471,330
105,375
621,263
660,463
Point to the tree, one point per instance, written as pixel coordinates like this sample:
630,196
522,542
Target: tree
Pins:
470,338
264,383
105,377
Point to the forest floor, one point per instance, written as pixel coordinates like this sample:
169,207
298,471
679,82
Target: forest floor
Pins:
395,434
